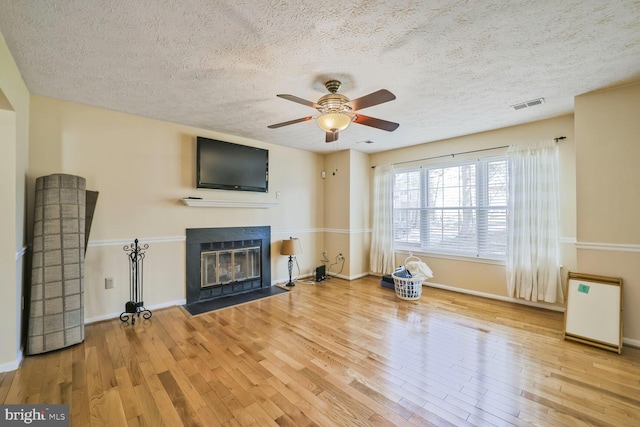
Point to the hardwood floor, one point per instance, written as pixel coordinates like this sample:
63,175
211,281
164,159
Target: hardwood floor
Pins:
336,353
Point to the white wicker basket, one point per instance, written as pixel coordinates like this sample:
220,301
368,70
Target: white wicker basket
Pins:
407,288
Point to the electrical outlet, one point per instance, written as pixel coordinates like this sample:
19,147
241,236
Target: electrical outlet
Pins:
340,257
324,253
108,283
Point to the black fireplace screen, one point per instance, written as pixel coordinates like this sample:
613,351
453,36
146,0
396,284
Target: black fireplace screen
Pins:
226,261
226,266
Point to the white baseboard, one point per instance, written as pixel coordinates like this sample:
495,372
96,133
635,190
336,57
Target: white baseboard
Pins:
496,297
630,342
117,315
13,365
487,295
354,277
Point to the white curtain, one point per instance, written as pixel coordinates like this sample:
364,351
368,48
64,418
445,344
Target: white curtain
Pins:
533,265
381,256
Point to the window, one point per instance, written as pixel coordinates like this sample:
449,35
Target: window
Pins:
458,209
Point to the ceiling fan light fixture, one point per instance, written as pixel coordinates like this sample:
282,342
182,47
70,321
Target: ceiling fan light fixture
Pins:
333,122
337,111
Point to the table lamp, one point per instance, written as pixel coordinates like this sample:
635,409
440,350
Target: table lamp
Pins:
291,247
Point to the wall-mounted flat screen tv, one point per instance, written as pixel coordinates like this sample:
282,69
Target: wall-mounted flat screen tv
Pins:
227,166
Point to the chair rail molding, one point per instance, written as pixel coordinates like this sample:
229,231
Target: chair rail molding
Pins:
617,247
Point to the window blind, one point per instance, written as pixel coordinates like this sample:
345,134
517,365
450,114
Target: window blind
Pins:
458,209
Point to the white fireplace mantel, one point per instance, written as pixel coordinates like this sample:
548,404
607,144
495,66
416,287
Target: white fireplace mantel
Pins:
209,203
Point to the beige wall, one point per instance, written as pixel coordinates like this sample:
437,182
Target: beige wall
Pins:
490,278
336,207
608,192
360,214
14,135
347,212
141,168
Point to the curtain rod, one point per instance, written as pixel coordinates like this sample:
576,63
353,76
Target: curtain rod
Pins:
463,152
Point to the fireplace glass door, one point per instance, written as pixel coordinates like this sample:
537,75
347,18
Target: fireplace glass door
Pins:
229,265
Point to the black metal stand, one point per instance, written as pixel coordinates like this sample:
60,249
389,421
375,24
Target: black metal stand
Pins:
135,306
290,271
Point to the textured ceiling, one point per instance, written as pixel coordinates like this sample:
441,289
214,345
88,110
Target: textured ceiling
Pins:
455,67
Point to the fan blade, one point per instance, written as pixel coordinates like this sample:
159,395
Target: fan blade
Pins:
372,99
375,123
331,137
298,100
290,122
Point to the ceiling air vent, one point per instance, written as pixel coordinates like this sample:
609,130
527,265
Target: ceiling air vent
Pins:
528,104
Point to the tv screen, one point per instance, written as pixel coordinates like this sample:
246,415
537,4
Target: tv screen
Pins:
228,166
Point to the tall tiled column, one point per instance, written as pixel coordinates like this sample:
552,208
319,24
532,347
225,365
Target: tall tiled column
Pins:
56,308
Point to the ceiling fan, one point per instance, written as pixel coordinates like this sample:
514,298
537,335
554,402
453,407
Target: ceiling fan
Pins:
337,111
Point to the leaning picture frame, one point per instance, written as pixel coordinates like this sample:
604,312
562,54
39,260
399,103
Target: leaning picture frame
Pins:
593,311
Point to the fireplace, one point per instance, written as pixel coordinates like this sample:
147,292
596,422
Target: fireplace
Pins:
221,262
222,266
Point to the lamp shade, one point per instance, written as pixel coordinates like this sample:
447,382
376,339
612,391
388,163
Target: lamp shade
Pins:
291,247
333,122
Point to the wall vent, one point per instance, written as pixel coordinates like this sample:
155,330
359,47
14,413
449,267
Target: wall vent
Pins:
528,104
